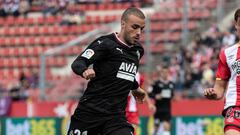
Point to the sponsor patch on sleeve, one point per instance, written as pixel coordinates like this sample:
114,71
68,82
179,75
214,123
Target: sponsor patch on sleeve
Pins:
88,53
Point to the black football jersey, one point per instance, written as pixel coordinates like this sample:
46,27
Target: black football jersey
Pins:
165,89
115,65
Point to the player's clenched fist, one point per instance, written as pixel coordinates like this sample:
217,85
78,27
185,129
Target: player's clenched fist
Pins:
139,94
89,74
210,93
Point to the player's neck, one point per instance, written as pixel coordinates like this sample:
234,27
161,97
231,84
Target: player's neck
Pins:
164,80
121,39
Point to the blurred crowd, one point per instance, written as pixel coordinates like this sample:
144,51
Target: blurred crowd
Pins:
19,89
65,8
192,67
53,7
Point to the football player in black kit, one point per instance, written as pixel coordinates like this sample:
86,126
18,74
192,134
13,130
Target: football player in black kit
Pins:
162,93
115,60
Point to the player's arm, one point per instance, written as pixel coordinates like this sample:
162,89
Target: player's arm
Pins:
92,53
155,92
222,76
217,92
139,94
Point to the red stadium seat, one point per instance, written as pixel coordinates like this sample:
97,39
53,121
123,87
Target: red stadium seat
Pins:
30,21
6,51
21,20
12,41
64,29
2,41
17,31
26,31
15,51
40,20
36,30
45,30
6,31
88,19
56,30
51,20
10,20
31,40
97,19
118,6
126,5
101,6
42,40
2,21
22,40
91,7
35,50
20,63
110,6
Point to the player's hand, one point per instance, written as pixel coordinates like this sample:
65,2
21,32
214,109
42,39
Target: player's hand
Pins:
152,107
158,97
139,95
89,74
210,93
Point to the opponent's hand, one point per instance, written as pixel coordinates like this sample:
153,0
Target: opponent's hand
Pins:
210,93
88,74
139,95
152,107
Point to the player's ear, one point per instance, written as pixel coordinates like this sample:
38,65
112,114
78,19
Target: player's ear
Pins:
123,23
236,24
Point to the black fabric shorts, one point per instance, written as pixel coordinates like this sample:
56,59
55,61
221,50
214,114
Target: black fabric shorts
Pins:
163,116
109,126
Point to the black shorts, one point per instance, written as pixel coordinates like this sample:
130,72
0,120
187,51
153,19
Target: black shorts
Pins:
162,116
110,126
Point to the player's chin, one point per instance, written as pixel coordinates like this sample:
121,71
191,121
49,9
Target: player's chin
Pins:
134,42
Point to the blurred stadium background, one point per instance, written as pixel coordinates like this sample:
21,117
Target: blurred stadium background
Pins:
40,38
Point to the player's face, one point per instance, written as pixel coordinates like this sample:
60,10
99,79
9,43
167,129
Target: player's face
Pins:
132,29
237,26
164,74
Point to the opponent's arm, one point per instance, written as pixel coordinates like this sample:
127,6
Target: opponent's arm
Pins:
222,76
217,92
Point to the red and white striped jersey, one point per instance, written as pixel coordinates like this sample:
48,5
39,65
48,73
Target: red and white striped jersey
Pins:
131,104
229,70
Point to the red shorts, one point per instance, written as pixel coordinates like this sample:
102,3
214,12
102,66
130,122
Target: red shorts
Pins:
133,118
232,119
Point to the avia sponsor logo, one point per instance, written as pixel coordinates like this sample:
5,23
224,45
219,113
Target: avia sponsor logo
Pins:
127,71
236,66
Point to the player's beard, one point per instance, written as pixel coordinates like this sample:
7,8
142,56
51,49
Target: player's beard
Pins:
129,40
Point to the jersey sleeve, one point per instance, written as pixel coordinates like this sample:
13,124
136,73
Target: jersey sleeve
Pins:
97,50
223,71
155,90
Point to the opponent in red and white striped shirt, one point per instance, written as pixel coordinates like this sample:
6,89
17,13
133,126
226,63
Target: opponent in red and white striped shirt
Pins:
228,80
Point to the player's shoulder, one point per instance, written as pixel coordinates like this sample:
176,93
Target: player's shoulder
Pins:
139,47
104,39
230,48
171,84
157,82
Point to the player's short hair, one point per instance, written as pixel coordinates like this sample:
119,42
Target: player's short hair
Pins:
132,11
237,14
